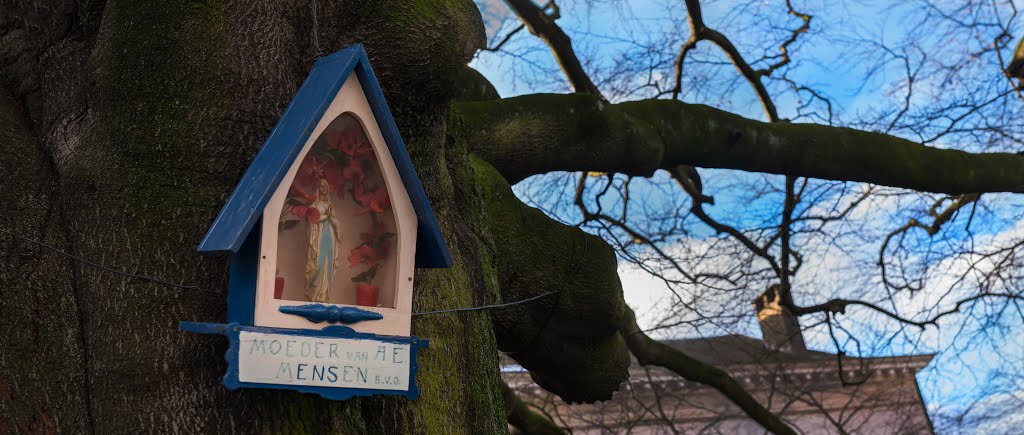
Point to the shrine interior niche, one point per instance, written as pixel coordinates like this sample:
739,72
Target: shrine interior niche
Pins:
337,234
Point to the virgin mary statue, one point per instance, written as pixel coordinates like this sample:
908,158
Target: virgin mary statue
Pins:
323,256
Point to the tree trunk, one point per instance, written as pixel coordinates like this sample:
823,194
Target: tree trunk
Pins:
123,127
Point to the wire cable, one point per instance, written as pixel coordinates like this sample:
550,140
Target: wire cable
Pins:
316,33
153,279
163,282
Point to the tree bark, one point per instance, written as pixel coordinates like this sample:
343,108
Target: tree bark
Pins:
42,380
129,124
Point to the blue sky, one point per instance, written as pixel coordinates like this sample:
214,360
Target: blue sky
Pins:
833,60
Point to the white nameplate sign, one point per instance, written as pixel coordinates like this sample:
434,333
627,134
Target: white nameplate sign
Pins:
322,361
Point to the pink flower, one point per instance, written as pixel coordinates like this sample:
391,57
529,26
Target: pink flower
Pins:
335,180
351,141
354,171
362,254
376,201
313,215
300,194
309,213
310,172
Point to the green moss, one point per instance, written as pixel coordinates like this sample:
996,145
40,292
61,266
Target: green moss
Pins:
463,341
534,134
703,136
164,98
473,86
569,341
145,169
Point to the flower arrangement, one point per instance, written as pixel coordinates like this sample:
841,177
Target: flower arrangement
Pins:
347,162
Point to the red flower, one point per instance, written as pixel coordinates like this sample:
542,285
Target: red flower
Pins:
300,194
313,215
350,141
362,147
362,254
310,172
354,171
376,201
377,239
334,139
335,180
309,213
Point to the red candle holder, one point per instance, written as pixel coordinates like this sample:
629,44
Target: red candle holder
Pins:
278,287
366,295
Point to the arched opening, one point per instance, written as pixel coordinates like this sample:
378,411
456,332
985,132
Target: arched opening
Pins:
337,235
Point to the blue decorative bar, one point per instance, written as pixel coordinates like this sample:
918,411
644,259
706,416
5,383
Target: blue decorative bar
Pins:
317,313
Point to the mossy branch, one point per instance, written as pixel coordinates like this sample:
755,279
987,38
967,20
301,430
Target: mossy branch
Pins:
568,341
575,347
525,419
651,352
535,134
470,85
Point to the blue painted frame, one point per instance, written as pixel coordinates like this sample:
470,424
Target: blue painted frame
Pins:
232,331
243,209
242,280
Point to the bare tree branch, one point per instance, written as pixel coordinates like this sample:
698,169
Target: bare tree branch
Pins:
652,352
543,25
504,40
840,305
697,208
699,31
939,219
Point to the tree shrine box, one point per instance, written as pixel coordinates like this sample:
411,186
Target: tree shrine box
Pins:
325,228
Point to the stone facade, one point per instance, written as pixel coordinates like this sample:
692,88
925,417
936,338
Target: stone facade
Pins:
809,389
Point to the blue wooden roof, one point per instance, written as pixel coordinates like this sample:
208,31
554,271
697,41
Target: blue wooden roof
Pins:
268,168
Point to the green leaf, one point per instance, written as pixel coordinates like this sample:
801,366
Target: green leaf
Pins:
367,275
